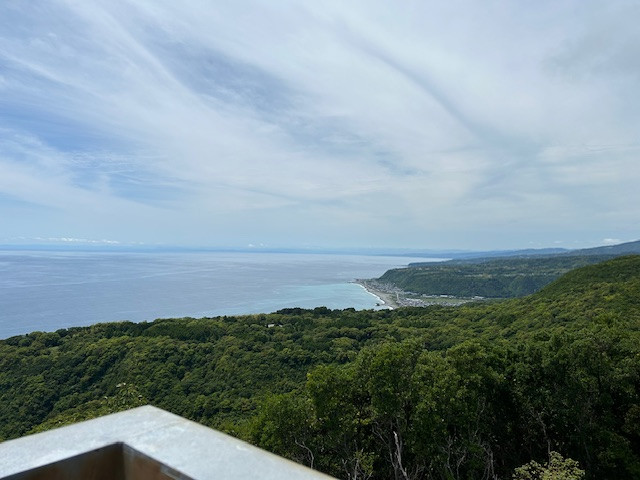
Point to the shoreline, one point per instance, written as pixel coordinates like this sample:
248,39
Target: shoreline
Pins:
387,299
393,297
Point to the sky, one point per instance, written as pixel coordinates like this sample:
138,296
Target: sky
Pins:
415,124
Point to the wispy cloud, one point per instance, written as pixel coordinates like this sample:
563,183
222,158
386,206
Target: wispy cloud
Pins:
436,124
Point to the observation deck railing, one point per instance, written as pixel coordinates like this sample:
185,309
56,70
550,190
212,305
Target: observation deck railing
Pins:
145,443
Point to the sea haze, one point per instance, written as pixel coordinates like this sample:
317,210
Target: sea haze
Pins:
51,290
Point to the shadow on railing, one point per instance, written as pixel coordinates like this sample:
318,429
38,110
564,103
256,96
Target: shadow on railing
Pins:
145,443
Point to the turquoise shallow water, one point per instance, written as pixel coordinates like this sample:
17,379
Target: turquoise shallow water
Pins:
50,290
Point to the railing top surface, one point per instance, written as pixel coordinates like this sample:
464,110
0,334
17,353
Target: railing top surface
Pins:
195,450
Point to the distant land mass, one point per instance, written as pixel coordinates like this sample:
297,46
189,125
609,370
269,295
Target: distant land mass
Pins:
498,274
628,248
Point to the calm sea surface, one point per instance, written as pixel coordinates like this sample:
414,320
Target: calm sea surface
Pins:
51,290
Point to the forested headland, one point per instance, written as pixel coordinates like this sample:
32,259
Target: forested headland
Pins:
497,277
424,393
487,278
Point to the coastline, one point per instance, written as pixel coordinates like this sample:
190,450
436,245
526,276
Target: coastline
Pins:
392,297
387,299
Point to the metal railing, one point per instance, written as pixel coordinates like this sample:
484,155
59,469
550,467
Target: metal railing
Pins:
145,443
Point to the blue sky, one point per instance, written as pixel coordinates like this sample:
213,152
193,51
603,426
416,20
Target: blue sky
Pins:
438,124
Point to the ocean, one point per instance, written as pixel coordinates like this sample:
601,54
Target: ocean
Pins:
47,291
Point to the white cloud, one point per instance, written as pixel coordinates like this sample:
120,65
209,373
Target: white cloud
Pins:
199,122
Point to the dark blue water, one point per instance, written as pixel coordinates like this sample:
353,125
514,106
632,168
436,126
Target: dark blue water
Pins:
47,291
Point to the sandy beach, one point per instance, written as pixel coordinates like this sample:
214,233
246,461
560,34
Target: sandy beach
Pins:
392,297
387,298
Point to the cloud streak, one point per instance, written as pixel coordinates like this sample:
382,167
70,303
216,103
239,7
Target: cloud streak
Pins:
451,124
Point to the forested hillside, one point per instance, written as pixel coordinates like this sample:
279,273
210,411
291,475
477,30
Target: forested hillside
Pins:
489,277
434,393
496,276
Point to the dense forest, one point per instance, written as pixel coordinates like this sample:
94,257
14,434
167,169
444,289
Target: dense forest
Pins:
471,392
486,277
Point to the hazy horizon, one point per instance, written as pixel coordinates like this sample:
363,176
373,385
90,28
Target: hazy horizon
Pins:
85,245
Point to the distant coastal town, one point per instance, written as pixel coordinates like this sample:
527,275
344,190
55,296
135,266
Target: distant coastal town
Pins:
393,297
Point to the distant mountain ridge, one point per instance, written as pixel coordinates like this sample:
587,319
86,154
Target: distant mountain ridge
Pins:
528,252
626,248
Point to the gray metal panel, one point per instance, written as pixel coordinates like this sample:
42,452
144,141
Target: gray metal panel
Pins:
192,449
